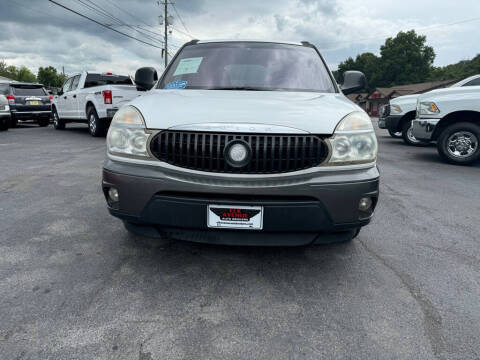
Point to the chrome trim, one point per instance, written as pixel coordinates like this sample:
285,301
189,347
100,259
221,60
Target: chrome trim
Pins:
240,128
314,169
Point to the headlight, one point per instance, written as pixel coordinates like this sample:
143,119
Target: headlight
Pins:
395,109
428,108
127,135
354,140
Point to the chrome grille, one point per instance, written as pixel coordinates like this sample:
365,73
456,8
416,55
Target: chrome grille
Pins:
270,154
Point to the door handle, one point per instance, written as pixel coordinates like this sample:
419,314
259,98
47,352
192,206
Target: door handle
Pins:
64,97
74,96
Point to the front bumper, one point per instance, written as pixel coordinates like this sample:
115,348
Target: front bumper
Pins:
390,122
297,208
423,129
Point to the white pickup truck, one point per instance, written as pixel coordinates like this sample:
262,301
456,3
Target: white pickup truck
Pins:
451,117
397,116
92,98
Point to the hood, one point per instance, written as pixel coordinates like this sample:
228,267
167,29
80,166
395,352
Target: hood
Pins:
316,113
451,91
404,99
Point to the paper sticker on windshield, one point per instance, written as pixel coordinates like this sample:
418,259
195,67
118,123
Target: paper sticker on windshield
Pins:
181,84
188,66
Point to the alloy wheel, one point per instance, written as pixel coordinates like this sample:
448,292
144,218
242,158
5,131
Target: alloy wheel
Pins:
462,144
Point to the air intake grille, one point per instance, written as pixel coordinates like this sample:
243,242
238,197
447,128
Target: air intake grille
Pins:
269,153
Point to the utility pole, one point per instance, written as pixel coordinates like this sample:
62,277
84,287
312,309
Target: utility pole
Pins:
166,22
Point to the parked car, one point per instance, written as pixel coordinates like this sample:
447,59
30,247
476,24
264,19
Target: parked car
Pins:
397,116
243,143
4,113
27,101
451,117
92,98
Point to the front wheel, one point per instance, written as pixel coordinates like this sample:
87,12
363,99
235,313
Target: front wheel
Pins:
407,135
58,123
4,125
458,143
395,134
96,126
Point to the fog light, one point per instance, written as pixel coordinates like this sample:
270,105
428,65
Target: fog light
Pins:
365,204
113,194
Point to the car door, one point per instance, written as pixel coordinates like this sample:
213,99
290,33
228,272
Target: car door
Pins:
61,103
73,98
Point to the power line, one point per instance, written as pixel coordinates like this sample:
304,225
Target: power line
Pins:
105,26
118,22
184,33
181,20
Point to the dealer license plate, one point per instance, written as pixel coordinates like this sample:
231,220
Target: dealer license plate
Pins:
235,217
33,102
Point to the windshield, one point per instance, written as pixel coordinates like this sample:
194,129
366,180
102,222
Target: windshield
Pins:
248,66
101,79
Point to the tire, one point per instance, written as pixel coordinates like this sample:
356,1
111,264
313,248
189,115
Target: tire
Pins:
408,137
395,135
459,143
58,123
343,237
96,126
13,122
4,125
43,122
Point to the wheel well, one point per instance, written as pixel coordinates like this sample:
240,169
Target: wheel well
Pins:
87,106
54,107
457,116
407,117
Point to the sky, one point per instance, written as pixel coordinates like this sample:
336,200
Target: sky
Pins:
38,33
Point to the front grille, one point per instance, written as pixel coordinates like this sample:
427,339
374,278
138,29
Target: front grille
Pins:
270,154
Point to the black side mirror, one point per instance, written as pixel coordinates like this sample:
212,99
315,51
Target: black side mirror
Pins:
145,78
353,81
60,92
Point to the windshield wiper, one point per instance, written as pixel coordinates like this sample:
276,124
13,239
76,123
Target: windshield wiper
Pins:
241,88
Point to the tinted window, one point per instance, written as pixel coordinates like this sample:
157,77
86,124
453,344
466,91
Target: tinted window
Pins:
249,66
474,82
28,90
100,79
76,79
4,89
66,86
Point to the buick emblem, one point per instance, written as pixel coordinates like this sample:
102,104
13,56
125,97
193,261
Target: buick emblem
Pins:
237,153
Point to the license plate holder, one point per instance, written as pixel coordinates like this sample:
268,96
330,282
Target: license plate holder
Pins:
33,102
235,217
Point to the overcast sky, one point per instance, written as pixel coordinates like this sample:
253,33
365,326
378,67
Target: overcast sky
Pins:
38,33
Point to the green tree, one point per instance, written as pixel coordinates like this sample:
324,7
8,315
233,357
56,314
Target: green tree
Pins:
405,59
14,73
24,74
49,77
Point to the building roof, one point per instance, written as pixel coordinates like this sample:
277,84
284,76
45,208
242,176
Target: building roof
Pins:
419,88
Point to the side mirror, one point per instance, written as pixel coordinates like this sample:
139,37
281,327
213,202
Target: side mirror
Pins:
145,78
60,92
353,81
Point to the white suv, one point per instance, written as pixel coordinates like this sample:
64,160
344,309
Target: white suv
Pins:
244,143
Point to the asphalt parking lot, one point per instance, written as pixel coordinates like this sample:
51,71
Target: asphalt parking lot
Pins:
75,285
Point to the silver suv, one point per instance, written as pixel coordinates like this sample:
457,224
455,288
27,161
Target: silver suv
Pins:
243,143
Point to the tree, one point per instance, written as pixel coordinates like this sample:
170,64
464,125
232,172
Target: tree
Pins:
14,73
49,77
406,59
24,74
